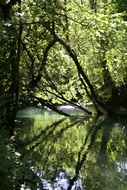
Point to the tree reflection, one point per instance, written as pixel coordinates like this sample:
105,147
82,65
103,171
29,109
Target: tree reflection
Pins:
90,150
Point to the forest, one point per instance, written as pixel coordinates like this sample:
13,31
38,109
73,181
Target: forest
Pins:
62,52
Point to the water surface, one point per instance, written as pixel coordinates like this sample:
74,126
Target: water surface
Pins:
76,152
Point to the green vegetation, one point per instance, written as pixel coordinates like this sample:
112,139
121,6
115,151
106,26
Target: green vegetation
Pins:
62,52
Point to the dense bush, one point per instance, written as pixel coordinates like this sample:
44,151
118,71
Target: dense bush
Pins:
9,162
15,170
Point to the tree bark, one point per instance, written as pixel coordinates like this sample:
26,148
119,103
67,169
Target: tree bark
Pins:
101,106
12,92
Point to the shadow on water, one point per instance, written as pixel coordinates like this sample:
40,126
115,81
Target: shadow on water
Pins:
74,153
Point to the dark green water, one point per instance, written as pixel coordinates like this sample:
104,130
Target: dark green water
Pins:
75,153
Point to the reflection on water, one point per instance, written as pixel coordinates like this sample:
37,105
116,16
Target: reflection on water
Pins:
60,182
74,153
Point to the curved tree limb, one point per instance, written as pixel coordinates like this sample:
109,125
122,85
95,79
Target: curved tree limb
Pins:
34,82
50,105
101,106
61,97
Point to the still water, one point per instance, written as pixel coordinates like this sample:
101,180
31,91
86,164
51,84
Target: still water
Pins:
73,153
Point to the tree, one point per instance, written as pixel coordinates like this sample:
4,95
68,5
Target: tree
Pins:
10,58
59,52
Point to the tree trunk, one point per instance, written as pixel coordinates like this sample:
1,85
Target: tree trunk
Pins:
11,89
101,106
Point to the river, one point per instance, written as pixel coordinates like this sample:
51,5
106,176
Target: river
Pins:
73,153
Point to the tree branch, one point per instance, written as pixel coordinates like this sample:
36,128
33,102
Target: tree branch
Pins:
102,107
38,78
6,8
51,106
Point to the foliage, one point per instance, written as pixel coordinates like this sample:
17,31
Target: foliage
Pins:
106,40
9,162
15,173
59,52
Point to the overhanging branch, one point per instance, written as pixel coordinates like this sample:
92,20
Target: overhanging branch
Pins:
101,106
34,82
50,105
